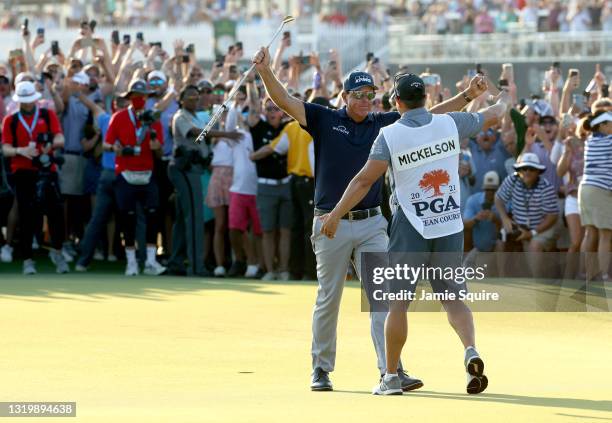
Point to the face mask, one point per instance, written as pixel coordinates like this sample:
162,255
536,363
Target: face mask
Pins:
138,102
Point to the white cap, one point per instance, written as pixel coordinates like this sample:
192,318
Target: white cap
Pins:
529,160
490,180
157,74
604,117
81,78
25,92
22,75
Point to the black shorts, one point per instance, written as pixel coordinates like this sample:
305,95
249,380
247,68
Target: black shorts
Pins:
129,195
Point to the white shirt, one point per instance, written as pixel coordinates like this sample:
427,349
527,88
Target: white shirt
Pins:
222,154
245,172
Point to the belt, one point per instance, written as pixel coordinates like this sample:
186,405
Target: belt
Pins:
267,181
303,177
353,215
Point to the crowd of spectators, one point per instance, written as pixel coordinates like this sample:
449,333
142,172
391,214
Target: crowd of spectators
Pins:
427,16
499,16
100,160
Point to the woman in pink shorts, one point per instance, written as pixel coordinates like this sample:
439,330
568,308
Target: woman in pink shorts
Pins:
218,198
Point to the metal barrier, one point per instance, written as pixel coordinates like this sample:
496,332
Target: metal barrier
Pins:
407,48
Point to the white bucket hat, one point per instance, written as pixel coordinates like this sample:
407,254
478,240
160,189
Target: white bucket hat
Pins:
529,160
25,92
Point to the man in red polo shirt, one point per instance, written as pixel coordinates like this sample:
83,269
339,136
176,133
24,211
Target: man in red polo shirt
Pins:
135,138
29,137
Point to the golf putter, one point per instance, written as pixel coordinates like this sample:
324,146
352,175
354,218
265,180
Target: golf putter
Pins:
236,86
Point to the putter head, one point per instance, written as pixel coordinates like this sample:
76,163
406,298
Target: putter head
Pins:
288,19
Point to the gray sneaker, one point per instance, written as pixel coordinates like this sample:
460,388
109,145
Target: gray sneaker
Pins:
29,267
58,259
409,383
473,363
389,385
477,382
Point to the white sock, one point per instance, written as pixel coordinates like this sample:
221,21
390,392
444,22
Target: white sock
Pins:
151,252
469,348
390,375
130,254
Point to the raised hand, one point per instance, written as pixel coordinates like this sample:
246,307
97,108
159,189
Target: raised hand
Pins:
477,86
261,59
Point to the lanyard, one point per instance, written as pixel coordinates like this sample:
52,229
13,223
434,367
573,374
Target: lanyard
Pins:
139,132
29,129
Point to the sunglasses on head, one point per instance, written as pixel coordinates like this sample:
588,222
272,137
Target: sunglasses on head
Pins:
358,95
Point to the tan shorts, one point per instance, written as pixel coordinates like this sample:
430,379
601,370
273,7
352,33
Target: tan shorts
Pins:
595,205
547,239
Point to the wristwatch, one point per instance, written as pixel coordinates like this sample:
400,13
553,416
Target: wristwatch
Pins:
533,233
466,97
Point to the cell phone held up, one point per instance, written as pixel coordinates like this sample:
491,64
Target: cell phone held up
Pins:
115,37
127,39
287,36
55,51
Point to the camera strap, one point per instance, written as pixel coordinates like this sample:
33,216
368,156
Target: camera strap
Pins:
29,129
141,132
44,113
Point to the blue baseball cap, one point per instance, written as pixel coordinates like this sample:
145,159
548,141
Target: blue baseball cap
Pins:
357,80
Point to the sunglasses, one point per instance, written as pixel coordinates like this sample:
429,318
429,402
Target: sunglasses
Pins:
529,169
272,109
358,95
206,91
156,83
218,92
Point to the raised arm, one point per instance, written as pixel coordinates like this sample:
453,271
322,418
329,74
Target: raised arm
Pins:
253,101
477,86
276,91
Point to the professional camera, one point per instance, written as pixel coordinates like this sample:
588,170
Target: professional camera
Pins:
45,160
148,117
512,236
187,157
129,150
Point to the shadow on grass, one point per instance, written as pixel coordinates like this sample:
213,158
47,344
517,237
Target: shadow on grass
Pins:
108,281
574,403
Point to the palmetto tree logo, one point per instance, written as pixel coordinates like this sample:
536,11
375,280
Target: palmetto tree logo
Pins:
434,180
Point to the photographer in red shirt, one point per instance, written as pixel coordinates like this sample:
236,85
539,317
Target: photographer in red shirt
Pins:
29,137
135,135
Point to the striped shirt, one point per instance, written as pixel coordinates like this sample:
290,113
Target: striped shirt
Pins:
529,205
598,161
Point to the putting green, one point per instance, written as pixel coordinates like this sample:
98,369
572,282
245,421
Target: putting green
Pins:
179,350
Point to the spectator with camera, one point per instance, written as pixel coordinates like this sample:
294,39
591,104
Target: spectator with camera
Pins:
480,215
105,204
534,206
29,137
136,135
185,170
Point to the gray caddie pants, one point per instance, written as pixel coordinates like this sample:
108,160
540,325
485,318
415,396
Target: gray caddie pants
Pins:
333,255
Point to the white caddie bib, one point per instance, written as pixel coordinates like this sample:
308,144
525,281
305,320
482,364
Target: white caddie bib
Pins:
425,165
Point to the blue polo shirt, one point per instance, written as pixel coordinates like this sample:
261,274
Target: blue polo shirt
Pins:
484,232
484,161
341,148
